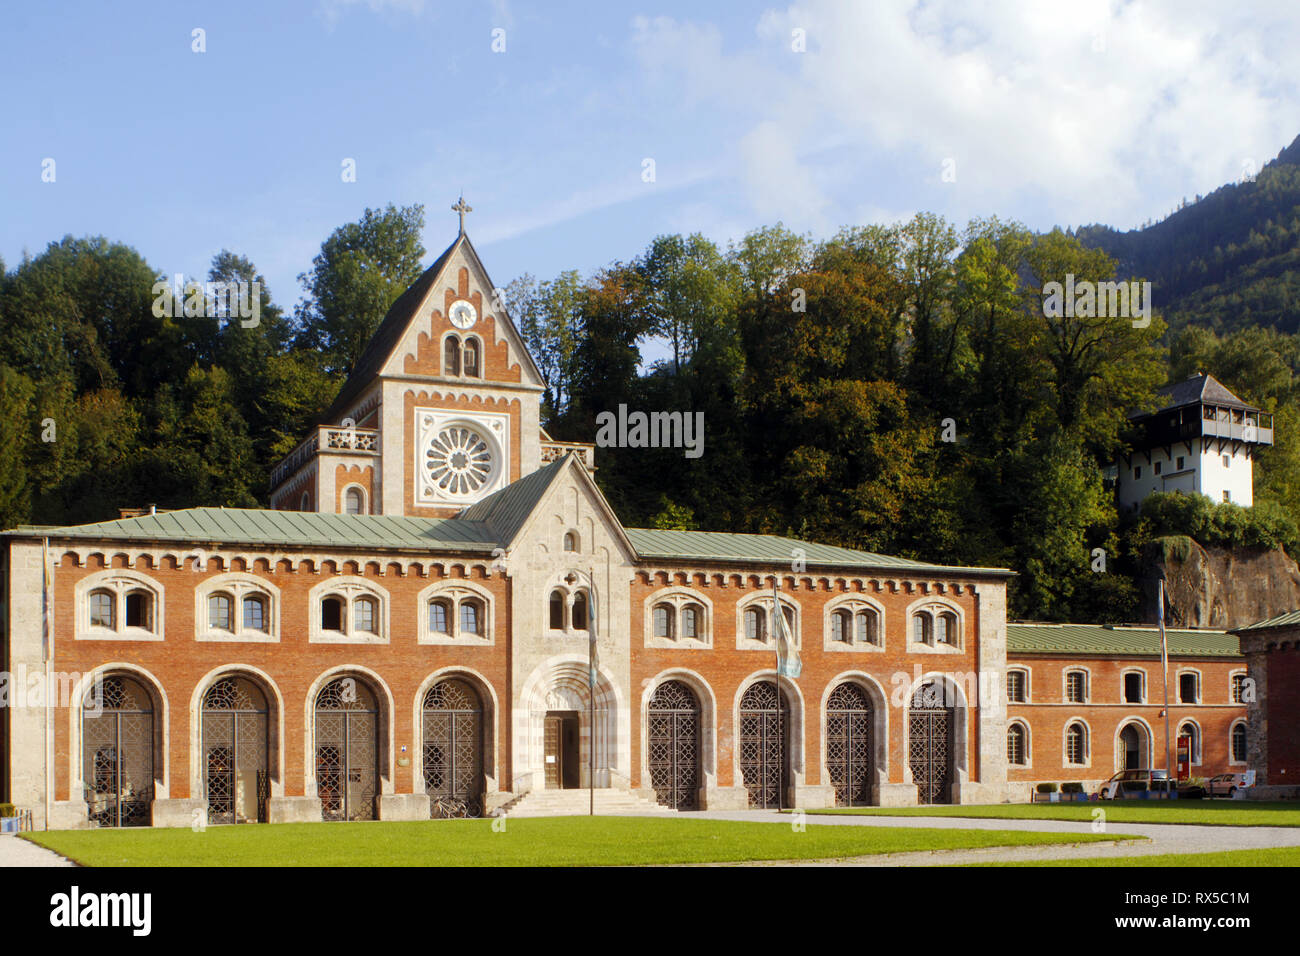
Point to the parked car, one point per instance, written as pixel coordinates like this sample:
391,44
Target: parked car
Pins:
1227,784
1128,783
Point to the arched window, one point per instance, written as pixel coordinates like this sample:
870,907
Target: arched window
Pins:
570,541
1017,686
451,356
664,621
220,612
922,628
1016,750
842,627
471,358
471,618
1191,731
364,614
947,623
139,609
1239,742
1076,687
103,609
692,615
255,613
354,502
755,624
1238,688
1076,744
1189,687
117,732
331,614
868,626
347,745
236,770
557,610
439,616
580,611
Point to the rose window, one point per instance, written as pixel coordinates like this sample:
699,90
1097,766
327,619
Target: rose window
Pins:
459,461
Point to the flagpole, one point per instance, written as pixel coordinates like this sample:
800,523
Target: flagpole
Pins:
1164,674
591,698
778,622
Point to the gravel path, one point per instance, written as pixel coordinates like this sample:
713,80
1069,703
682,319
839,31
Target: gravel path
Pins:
1161,838
16,852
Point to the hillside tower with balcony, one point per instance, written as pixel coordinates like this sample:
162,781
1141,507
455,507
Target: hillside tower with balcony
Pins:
1202,439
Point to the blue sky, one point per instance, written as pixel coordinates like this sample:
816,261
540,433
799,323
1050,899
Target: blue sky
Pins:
1067,112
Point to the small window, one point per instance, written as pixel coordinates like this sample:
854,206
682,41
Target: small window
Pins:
139,610
1227,463
219,612
1016,745
353,502
1156,467
663,621
471,359
1180,463
1188,691
471,618
691,621
439,613
451,356
1137,471
255,613
1239,742
841,627
1076,744
1189,730
580,611
1239,688
363,615
947,622
1016,687
1076,687
922,629
331,614
754,629
868,627
557,610
570,542
103,609
1133,689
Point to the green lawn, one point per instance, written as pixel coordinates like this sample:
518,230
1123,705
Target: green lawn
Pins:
1209,812
547,841
1278,856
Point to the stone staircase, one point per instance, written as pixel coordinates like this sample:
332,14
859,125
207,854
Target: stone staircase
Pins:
567,803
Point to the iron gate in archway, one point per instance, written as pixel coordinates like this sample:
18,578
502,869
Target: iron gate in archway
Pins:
347,748
930,744
236,778
117,749
763,717
453,749
848,745
673,739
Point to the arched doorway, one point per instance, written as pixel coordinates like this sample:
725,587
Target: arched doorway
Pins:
764,716
673,745
1132,748
347,749
453,749
236,775
117,739
848,745
930,743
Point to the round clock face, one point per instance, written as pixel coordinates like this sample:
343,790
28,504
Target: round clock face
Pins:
462,314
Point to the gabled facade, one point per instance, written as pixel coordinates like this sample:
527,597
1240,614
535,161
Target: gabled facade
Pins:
1202,439
431,652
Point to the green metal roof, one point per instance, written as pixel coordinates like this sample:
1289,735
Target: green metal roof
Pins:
770,549
258,527
505,511
1103,639
1289,619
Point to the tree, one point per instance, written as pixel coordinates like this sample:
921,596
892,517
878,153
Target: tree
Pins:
360,271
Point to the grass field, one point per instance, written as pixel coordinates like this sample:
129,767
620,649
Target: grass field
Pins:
547,841
1278,856
1212,812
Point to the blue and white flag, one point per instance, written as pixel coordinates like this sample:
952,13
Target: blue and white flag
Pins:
788,663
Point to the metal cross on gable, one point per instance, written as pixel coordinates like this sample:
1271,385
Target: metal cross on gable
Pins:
462,207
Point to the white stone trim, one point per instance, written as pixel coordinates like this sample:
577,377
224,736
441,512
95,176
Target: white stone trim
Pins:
1023,722
239,584
161,730
764,599
1087,742
1232,762
119,581
678,597
492,724
708,702
930,603
384,752
456,590
879,725
1146,694
275,724
350,588
854,604
1178,685
1069,669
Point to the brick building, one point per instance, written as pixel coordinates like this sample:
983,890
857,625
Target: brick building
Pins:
406,633
1084,701
1272,651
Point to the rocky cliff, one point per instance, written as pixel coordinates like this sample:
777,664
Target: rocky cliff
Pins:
1217,586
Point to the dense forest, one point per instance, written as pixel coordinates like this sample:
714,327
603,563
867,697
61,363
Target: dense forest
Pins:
898,389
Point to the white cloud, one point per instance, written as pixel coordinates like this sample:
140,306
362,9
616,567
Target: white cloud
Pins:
1111,111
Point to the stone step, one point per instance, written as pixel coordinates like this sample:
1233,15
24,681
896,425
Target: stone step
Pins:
540,803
